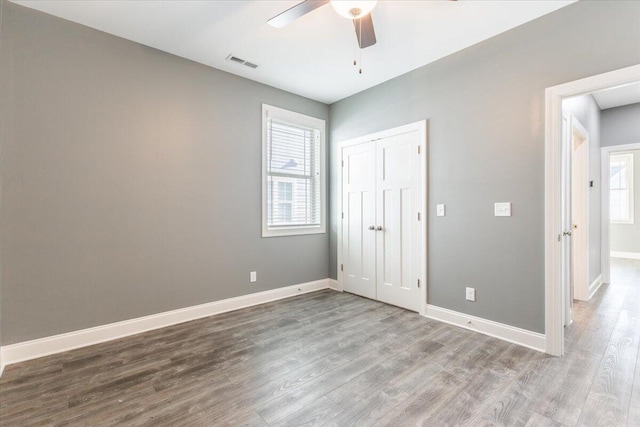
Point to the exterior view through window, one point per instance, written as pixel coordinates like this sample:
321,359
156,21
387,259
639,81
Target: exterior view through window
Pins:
621,188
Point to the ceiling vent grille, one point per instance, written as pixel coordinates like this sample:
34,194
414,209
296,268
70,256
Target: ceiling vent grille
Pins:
241,61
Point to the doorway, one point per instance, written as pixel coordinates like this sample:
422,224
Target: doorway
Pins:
620,175
382,232
558,216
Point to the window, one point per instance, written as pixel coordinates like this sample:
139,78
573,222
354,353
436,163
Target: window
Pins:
621,188
293,151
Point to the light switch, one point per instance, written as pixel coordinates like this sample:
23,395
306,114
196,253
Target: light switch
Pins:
470,294
502,209
440,210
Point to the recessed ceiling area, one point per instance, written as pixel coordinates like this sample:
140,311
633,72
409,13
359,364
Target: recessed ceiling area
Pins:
618,96
313,56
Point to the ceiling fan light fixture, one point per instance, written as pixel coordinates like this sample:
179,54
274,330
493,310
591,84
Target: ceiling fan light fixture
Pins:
353,9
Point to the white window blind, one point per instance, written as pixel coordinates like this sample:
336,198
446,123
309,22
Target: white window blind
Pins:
621,188
293,151
293,168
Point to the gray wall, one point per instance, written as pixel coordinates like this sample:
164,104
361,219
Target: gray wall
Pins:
626,237
620,125
585,109
131,182
485,107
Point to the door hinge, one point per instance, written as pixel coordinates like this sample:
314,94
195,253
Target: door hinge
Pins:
418,216
418,282
343,163
341,267
418,149
342,215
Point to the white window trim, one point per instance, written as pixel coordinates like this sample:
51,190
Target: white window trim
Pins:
630,187
269,111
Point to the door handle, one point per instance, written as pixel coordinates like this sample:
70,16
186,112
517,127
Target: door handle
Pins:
371,227
379,228
566,233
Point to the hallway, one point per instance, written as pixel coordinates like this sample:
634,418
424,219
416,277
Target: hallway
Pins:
602,348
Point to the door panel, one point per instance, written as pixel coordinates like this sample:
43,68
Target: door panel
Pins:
567,280
579,208
398,204
358,203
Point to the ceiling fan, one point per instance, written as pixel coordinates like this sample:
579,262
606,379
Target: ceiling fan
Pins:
358,11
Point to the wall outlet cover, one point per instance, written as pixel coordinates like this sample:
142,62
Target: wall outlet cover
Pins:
252,276
471,294
440,210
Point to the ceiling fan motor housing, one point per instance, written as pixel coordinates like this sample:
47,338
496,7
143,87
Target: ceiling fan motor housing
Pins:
358,11
353,9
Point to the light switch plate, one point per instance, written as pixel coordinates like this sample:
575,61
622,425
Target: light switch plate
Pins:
471,294
440,210
252,277
502,209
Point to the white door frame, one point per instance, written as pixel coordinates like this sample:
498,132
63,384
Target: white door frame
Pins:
554,329
421,127
581,290
604,215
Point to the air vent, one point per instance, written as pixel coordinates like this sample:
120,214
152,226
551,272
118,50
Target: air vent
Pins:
241,61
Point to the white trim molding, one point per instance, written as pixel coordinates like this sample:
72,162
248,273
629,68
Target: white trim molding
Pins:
554,324
629,255
333,284
33,349
523,337
595,285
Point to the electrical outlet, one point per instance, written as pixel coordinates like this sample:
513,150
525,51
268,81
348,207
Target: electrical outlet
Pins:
252,277
471,294
440,210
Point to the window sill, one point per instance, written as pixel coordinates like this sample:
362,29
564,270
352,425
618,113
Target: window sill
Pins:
292,231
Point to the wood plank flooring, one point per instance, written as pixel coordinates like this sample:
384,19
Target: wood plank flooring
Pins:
334,359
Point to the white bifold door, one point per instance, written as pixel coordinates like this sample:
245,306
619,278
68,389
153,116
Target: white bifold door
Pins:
381,224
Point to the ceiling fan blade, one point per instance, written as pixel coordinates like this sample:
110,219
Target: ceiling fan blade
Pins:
364,31
290,15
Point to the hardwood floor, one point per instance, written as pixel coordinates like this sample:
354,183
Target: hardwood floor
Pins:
335,359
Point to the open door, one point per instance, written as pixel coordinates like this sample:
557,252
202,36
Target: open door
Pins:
580,210
567,223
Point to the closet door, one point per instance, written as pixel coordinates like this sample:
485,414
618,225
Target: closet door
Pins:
398,203
358,222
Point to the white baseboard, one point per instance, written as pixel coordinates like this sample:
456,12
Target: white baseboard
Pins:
630,255
33,349
533,340
593,287
333,284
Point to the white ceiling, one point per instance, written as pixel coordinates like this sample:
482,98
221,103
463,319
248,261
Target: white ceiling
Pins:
618,96
312,56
